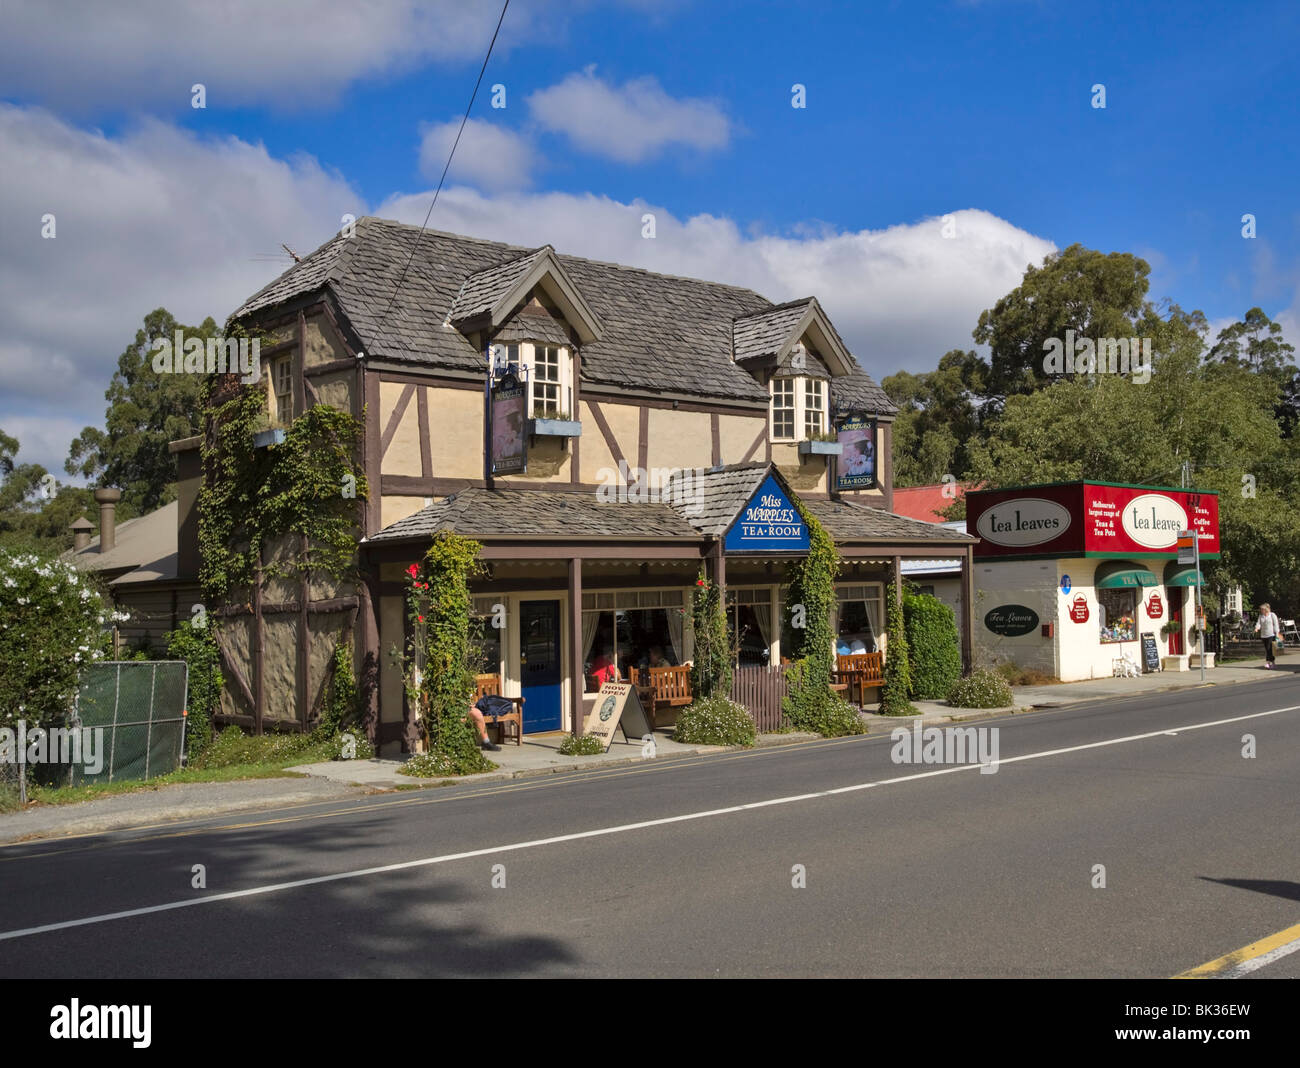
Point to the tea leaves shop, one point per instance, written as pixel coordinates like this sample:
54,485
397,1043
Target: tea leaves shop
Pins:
1070,577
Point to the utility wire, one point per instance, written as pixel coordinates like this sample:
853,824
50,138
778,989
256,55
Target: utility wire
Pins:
450,155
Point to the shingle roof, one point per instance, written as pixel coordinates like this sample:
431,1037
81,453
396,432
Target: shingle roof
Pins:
481,290
845,521
660,333
764,333
712,499
482,513
532,323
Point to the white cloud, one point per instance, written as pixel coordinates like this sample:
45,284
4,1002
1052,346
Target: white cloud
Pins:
488,157
630,123
157,218
87,54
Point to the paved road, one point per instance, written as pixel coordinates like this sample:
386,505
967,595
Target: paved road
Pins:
949,874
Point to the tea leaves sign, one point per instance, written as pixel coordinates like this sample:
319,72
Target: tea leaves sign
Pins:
1024,521
1011,620
1154,520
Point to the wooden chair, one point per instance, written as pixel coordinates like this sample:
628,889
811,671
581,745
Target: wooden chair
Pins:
861,672
670,688
490,686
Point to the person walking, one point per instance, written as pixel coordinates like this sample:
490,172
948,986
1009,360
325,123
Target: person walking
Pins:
1269,628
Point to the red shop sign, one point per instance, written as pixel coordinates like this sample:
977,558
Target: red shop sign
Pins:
1079,609
1155,606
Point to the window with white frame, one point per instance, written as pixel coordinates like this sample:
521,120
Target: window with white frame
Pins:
550,381
798,408
280,390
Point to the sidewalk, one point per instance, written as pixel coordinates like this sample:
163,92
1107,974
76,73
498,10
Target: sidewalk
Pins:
342,780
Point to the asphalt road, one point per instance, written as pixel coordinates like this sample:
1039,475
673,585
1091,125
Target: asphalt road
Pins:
922,874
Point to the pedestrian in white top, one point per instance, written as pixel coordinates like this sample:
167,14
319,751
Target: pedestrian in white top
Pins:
1269,627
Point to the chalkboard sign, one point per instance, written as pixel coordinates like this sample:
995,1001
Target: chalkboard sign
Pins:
1150,652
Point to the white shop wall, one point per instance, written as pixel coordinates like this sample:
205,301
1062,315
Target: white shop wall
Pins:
1032,583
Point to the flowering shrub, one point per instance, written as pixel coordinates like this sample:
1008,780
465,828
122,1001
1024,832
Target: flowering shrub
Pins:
53,620
981,689
715,720
587,745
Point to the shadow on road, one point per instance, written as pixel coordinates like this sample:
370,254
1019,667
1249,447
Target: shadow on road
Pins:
1275,887
437,920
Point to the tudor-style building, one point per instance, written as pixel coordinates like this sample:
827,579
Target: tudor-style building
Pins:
660,423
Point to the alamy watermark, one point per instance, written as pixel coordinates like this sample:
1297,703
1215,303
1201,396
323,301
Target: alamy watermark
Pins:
1106,355
658,485
946,745
53,745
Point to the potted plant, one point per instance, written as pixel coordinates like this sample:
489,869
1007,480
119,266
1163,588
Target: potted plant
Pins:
826,443
1170,628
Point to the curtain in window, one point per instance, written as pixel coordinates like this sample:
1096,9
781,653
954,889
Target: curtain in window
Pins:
763,616
590,621
676,632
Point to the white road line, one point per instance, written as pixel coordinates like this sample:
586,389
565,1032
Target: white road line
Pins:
1246,967
602,832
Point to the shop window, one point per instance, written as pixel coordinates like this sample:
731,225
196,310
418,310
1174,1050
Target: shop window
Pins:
1117,615
860,617
749,625
633,629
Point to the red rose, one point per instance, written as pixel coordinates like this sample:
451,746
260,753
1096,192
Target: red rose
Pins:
421,618
413,570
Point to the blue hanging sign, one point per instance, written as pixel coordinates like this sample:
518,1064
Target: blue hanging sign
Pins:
769,522
1065,583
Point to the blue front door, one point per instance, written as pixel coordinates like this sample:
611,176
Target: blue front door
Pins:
539,665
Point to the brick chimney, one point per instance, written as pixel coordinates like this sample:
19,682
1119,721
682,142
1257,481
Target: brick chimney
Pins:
107,500
81,533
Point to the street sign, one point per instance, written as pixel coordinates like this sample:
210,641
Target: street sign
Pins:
1186,547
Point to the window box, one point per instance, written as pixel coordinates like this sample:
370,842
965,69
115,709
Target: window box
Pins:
820,448
555,428
264,438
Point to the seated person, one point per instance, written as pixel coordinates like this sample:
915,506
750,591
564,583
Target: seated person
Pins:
655,658
480,723
603,668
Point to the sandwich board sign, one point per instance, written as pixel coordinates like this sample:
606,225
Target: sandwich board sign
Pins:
617,706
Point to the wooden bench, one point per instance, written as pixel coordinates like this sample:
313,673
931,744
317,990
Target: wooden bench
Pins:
667,687
860,672
490,686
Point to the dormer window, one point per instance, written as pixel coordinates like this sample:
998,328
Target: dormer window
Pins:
550,380
798,408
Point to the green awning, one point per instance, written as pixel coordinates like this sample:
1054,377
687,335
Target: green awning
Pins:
1177,574
1123,575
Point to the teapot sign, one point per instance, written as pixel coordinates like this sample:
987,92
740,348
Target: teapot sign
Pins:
1079,609
1155,606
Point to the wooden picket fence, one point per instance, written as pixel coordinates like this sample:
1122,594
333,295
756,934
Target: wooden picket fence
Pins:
760,689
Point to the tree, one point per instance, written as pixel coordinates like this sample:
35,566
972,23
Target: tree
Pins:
35,509
1256,344
146,410
939,416
1096,295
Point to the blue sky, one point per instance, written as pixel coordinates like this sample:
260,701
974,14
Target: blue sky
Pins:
615,109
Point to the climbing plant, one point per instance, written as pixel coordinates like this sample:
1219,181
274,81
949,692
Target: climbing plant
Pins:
308,484
811,704
711,669
898,674
443,655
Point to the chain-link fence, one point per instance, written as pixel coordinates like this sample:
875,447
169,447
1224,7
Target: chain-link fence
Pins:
136,712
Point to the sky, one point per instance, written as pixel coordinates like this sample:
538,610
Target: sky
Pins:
942,147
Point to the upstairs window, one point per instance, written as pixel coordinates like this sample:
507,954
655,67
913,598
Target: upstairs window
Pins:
550,380
798,408
280,390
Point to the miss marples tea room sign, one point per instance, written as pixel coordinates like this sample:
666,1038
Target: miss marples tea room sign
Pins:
769,522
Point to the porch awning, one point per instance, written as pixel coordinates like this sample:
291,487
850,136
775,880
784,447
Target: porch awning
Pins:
1177,574
1123,575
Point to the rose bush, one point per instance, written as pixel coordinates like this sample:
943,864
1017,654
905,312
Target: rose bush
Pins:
54,620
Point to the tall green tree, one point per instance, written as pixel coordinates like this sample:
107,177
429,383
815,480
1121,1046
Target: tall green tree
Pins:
1095,294
146,410
939,417
1256,344
36,510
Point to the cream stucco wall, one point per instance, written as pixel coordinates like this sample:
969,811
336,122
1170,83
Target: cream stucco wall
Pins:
679,439
456,432
1031,583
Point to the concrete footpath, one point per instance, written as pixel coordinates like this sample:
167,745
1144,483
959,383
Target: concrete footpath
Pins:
341,780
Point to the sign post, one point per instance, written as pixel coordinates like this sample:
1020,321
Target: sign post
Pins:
1189,552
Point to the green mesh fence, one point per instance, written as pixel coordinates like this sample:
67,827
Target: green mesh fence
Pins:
139,706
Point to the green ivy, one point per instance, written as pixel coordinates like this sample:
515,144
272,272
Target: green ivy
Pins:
933,646
898,675
250,497
446,689
197,646
811,704
711,669
342,706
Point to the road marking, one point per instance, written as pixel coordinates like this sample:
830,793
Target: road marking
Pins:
1249,958
599,832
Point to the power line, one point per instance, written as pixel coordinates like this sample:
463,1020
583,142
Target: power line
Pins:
450,155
